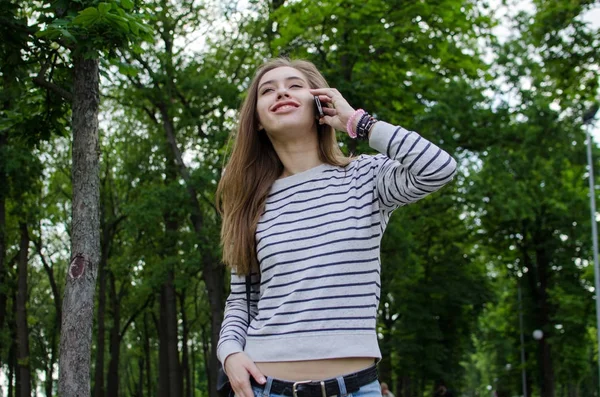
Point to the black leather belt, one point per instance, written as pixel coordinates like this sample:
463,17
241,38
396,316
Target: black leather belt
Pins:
325,388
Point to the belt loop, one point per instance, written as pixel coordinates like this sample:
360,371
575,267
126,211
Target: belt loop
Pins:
342,386
267,389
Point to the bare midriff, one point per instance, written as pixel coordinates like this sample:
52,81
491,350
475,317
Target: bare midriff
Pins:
314,369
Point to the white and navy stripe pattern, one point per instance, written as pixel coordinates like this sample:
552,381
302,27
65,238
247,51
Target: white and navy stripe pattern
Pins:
318,244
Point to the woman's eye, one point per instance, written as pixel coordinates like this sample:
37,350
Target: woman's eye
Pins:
296,86
266,90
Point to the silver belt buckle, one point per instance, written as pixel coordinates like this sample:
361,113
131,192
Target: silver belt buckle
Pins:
302,382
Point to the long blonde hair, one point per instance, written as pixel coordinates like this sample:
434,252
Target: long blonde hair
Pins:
254,166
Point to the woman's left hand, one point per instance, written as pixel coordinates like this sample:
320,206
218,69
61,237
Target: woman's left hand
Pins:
338,116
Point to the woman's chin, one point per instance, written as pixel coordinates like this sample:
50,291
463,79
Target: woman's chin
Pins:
292,128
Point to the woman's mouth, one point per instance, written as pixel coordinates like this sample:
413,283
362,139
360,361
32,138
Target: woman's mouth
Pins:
284,107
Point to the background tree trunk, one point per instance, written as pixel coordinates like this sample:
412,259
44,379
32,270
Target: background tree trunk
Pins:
100,337
78,304
163,361
21,316
49,382
185,356
170,302
3,191
12,363
148,357
112,387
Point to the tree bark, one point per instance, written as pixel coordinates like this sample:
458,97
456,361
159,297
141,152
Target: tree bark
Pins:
23,360
78,303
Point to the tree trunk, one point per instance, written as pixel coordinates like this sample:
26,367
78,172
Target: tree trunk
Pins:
149,388
49,381
192,369
53,285
213,273
163,356
23,360
78,303
185,357
214,279
385,365
13,373
206,354
140,385
171,338
404,387
112,387
100,337
3,271
544,322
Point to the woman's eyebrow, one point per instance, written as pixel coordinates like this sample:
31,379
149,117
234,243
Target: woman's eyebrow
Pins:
286,79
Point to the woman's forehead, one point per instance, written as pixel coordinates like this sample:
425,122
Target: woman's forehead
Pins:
281,73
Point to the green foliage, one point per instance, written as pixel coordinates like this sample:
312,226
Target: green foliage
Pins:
93,26
450,263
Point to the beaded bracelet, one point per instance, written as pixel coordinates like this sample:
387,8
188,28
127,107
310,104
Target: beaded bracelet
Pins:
350,123
364,125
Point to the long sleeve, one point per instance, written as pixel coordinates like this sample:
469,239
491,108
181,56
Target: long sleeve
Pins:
411,167
234,328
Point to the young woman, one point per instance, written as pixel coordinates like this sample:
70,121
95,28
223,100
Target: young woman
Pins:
306,223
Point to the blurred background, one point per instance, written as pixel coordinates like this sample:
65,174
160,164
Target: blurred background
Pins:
487,287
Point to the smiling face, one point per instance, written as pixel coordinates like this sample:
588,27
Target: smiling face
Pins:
284,102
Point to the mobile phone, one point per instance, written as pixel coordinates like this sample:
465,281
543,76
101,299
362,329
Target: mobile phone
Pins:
318,108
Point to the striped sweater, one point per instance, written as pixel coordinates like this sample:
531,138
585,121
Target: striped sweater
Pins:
318,246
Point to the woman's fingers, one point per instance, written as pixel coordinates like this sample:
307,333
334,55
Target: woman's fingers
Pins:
327,92
329,111
241,387
239,368
338,116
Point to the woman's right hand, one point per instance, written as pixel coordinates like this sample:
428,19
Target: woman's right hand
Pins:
239,367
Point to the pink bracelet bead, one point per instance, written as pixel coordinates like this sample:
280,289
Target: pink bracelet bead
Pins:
358,113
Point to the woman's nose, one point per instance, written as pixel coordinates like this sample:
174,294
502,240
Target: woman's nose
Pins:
282,91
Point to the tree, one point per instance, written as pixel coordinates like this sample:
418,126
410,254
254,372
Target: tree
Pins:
85,28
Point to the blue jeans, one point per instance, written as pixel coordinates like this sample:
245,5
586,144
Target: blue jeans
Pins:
369,390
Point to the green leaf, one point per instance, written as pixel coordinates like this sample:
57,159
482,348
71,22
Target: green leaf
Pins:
127,4
118,22
49,33
104,8
134,28
87,17
68,35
